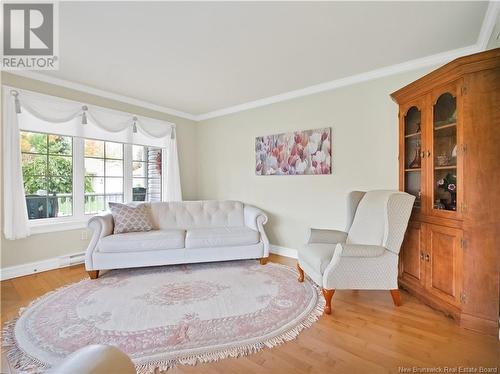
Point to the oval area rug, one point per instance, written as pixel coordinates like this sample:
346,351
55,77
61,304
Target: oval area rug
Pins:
163,316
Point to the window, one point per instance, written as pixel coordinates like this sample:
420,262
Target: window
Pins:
47,163
146,172
69,178
103,175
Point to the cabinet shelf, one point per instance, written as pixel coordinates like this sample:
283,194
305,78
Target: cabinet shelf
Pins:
437,128
447,167
414,134
413,169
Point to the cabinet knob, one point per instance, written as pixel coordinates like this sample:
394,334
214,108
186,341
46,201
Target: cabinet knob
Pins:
421,255
428,153
427,257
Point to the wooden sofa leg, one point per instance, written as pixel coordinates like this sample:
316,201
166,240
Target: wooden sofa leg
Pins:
93,274
396,297
263,260
328,294
301,273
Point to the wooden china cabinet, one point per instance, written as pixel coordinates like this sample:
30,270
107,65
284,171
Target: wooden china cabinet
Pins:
449,158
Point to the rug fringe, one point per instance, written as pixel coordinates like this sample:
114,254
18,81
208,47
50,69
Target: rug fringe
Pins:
22,361
151,367
19,359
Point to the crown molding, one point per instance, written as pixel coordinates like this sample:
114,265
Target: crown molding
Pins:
488,25
419,63
441,58
102,93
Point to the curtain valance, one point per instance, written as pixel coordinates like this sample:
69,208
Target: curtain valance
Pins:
40,112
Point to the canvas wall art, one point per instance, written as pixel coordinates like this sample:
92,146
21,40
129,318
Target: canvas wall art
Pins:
306,152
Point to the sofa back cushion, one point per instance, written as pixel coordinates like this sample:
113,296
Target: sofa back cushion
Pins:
197,214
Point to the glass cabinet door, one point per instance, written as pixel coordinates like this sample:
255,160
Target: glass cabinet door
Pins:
444,155
412,123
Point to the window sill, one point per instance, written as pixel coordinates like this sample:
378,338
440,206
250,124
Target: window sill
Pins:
42,227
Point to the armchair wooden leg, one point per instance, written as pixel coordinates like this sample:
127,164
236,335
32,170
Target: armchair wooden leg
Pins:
328,294
396,297
93,274
263,260
301,273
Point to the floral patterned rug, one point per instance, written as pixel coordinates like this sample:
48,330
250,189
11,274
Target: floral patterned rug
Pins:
163,316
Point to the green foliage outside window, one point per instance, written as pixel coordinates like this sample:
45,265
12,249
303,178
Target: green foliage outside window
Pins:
52,173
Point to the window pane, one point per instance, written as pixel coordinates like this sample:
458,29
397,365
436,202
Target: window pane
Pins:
47,165
114,185
94,204
114,168
60,185
60,165
139,182
60,145
114,150
35,187
113,199
64,206
33,165
94,167
37,207
94,148
139,169
33,142
94,185
138,197
138,153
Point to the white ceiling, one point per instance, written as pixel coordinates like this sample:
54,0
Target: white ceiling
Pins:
203,57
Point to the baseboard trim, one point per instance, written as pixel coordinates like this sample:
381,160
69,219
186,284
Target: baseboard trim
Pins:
43,265
283,251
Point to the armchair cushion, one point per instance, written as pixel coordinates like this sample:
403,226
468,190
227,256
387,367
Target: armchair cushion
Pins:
369,224
317,255
327,236
361,250
221,237
143,241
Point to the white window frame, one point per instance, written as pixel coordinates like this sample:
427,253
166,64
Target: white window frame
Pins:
79,219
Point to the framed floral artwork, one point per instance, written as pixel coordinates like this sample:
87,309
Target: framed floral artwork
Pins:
307,152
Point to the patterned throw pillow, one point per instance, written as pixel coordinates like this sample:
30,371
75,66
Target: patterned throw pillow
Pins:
129,218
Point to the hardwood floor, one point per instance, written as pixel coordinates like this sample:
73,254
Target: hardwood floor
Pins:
364,334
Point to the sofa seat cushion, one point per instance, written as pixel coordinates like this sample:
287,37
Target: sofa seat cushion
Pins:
221,237
143,241
317,255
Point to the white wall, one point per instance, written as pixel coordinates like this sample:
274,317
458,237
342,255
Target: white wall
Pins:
365,147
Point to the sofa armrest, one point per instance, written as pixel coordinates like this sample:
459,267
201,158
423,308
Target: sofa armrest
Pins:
255,219
102,225
326,236
95,359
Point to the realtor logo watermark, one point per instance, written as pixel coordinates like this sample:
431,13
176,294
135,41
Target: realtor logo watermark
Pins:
30,36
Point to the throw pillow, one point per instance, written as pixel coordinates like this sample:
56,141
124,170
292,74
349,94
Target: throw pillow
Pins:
130,218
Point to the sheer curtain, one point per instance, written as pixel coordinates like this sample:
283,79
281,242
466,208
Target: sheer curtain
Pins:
26,110
15,212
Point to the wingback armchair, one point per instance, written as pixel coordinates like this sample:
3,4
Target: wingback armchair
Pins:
365,255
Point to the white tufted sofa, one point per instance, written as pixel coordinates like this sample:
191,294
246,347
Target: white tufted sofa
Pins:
184,232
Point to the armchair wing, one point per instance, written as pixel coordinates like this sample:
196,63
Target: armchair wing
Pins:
255,219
